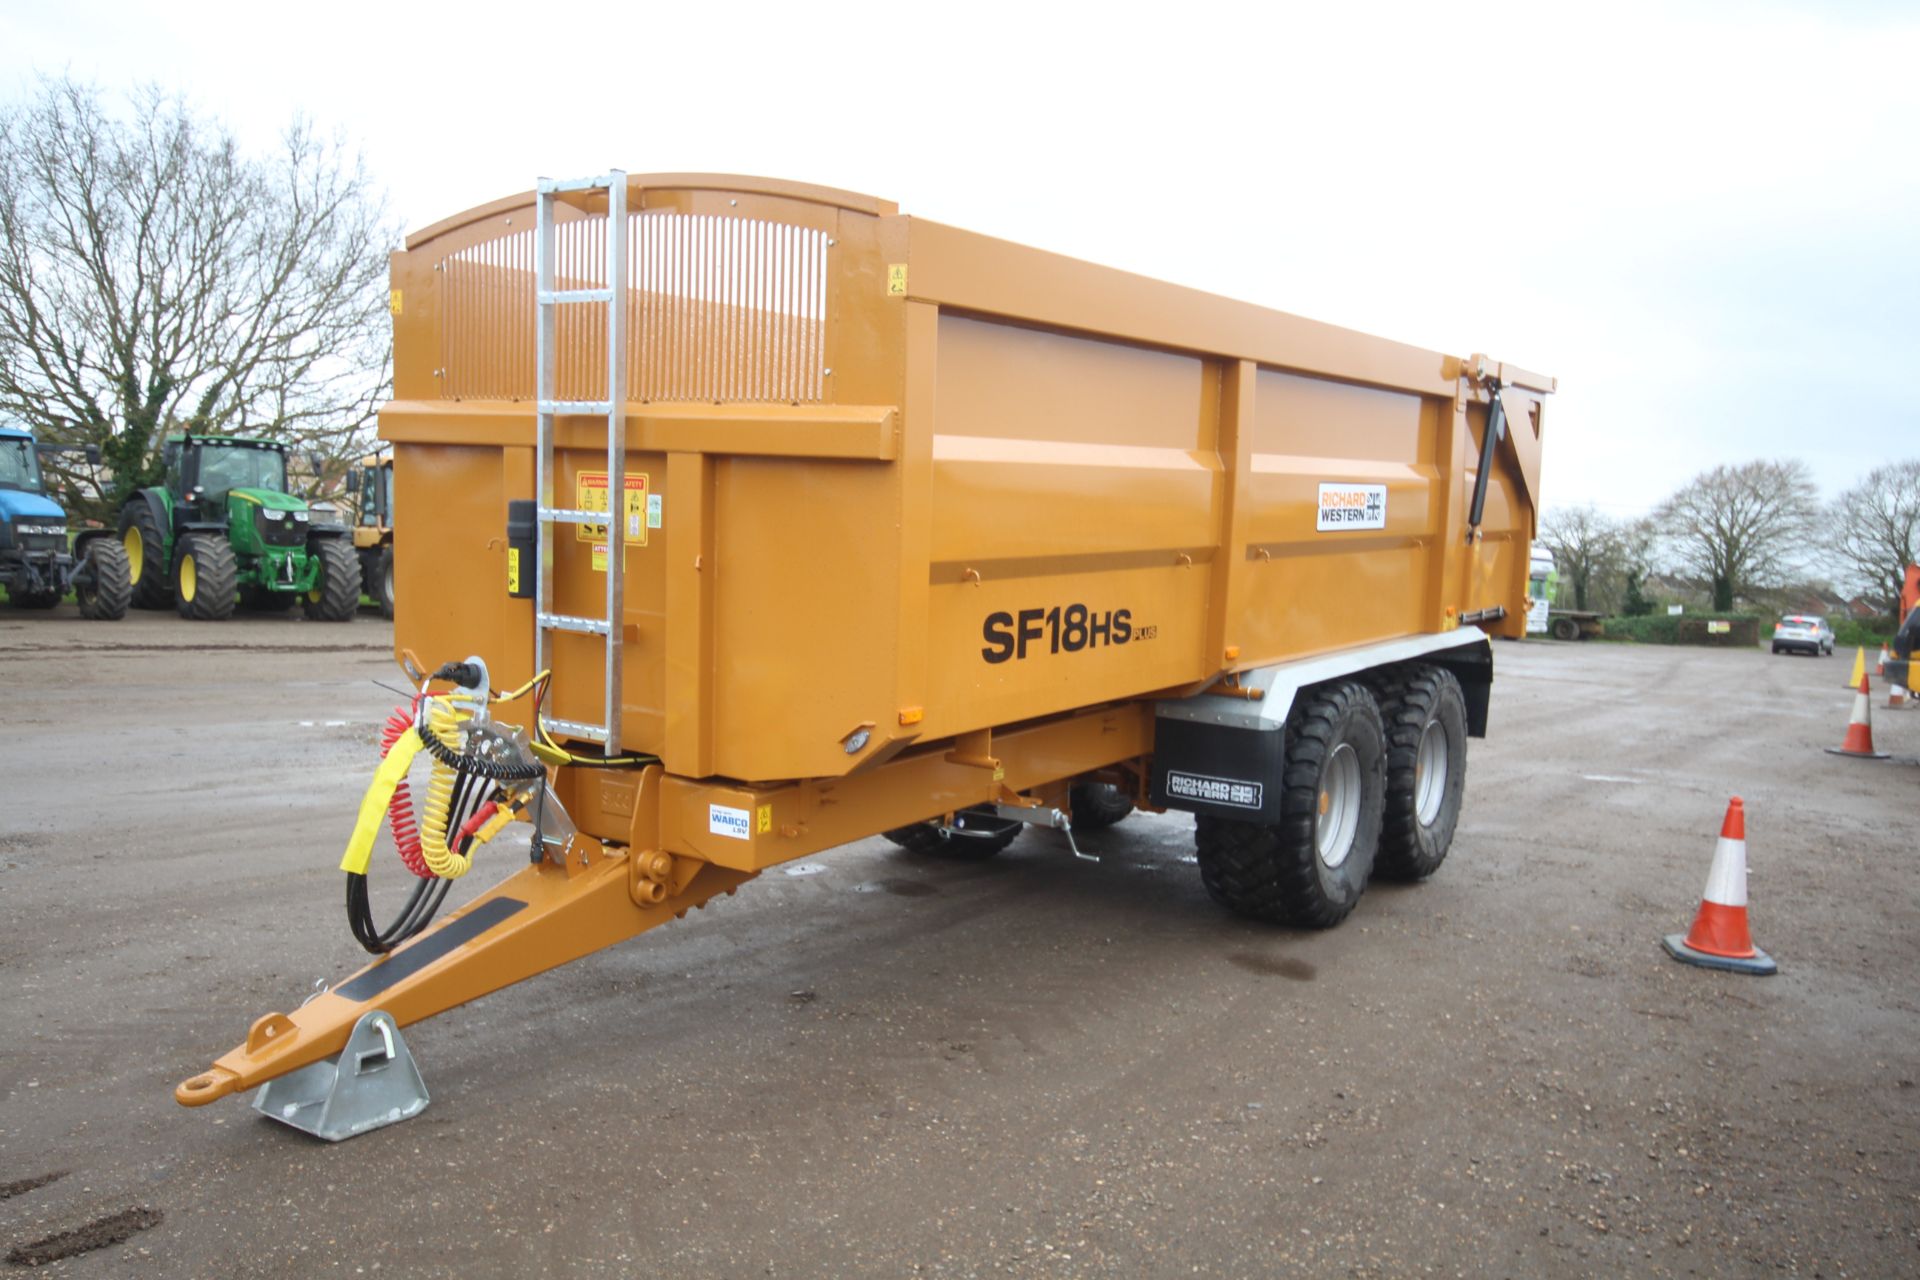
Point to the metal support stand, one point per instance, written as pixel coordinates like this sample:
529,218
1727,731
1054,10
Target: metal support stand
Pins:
372,1084
1041,816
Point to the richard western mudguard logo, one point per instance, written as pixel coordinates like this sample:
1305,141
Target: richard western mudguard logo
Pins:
1073,628
1227,791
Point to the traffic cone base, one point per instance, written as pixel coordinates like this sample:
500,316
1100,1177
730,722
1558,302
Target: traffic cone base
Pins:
1859,740
1760,964
1719,937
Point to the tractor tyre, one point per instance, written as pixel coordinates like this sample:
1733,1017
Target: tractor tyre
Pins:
204,577
1425,716
108,585
975,837
336,597
265,601
1097,805
383,582
147,565
1311,867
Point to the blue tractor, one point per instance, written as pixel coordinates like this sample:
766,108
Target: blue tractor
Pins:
38,563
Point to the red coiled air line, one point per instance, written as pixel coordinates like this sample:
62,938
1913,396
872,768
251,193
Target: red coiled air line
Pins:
400,817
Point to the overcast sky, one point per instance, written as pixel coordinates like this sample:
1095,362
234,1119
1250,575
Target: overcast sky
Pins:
1701,217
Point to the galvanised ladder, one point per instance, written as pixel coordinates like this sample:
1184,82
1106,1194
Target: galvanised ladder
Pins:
548,299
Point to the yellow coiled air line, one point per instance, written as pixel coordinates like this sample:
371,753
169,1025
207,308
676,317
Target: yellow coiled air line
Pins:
443,722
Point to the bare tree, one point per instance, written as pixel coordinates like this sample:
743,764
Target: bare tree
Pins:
1586,548
1876,528
154,278
1744,527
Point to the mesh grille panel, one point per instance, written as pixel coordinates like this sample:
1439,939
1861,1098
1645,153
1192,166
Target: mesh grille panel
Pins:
718,308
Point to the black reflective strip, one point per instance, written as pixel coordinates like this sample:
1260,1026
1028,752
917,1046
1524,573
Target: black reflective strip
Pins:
408,961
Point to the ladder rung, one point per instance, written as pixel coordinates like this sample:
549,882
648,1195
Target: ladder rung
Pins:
567,622
571,515
576,728
556,186
597,408
576,295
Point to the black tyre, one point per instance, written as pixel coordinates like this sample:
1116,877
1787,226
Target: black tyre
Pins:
203,578
106,587
974,837
147,565
383,582
1566,629
1311,867
1097,805
1425,716
336,597
266,601
33,599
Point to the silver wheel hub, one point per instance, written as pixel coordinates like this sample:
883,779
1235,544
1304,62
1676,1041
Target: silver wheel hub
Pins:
1338,820
1430,774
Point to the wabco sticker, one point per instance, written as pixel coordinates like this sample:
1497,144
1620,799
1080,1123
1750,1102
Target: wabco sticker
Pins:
1227,791
734,824
1352,506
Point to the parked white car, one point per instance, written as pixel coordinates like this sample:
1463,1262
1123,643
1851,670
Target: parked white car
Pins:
1802,633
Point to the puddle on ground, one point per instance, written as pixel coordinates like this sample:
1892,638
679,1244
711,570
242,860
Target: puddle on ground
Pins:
1273,966
899,888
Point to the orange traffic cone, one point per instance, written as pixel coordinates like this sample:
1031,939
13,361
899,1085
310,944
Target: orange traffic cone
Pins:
1859,739
1896,698
1719,938
1880,667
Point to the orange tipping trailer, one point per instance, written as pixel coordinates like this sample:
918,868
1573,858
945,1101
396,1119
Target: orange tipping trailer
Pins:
920,533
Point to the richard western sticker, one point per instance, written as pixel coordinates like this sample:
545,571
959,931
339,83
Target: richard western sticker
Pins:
1352,506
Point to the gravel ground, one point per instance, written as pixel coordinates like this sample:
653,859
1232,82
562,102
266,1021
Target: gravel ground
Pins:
869,1065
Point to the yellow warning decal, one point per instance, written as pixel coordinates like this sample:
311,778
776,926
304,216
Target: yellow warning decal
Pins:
896,280
513,569
763,819
396,301
590,493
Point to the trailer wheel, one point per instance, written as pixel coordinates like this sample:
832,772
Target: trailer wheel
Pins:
145,547
975,837
383,582
337,596
203,578
1098,805
107,587
1566,629
1425,716
1311,867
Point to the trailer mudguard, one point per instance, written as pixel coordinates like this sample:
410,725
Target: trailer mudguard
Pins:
1221,752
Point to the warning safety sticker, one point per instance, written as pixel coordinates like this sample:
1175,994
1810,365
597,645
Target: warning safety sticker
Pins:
590,492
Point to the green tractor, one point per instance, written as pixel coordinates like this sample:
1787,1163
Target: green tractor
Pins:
223,529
